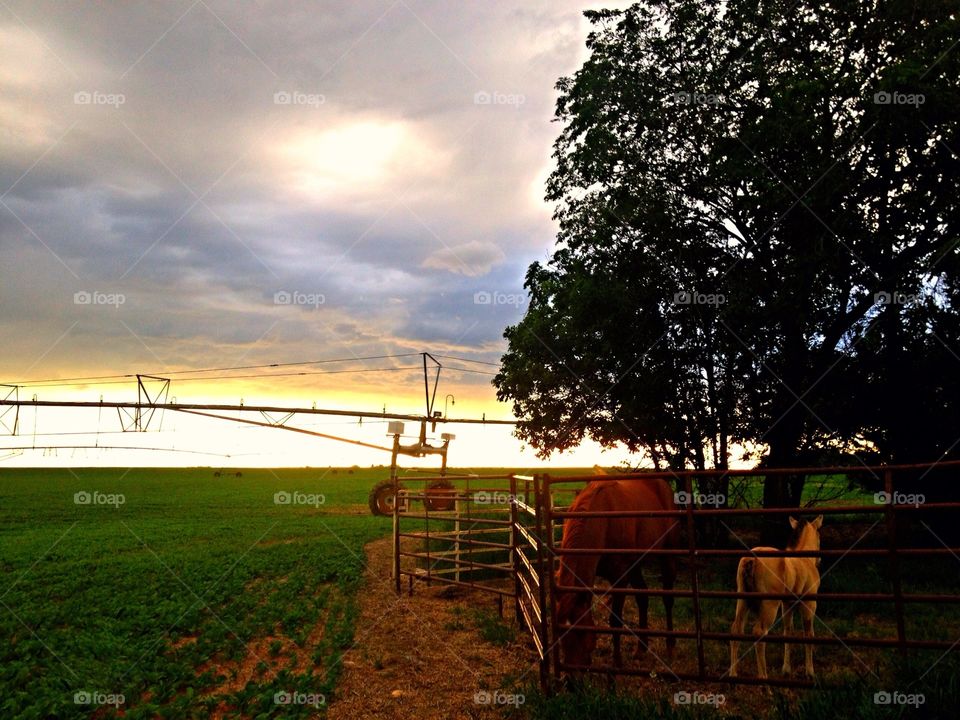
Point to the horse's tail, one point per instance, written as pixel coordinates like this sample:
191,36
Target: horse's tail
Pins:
747,581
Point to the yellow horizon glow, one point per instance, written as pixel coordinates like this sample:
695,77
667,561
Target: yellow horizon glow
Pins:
474,446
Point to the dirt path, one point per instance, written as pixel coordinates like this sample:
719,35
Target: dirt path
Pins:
423,656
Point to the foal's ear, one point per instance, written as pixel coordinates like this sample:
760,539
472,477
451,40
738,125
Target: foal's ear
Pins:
817,521
794,522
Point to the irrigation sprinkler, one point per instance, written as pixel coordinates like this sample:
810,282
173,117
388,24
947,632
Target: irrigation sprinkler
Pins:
153,394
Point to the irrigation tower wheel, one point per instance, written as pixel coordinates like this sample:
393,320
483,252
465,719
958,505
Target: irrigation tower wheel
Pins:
381,498
439,496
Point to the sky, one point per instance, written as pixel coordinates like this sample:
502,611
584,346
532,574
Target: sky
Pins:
198,184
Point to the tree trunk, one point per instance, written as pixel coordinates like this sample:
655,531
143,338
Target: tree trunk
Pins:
782,491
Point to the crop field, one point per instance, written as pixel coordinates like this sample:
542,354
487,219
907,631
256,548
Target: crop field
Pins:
185,593
179,593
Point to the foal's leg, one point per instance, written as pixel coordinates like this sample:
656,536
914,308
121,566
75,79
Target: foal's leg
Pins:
616,622
787,629
737,629
768,614
808,609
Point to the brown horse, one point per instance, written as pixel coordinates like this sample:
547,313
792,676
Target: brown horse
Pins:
640,534
785,576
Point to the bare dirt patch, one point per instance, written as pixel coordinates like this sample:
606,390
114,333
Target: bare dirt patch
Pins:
422,656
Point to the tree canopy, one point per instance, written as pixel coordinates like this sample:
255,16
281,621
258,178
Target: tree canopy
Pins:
758,243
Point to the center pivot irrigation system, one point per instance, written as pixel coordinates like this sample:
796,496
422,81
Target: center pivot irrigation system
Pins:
153,395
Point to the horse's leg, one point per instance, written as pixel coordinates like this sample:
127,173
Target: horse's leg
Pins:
616,622
787,629
669,575
808,609
768,614
737,629
643,605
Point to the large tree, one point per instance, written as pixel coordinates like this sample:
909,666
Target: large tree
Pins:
758,211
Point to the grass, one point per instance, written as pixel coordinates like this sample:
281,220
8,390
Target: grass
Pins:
164,594
930,695
492,627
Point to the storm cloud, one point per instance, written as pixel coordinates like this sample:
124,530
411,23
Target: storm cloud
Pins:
201,159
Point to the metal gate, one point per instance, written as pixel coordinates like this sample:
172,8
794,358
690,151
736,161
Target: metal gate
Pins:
457,534
484,533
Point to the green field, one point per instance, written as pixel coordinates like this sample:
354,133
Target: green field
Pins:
171,596
182,590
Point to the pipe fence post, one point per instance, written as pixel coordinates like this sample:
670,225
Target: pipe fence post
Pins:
694,575
891,517
514,553
548,603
